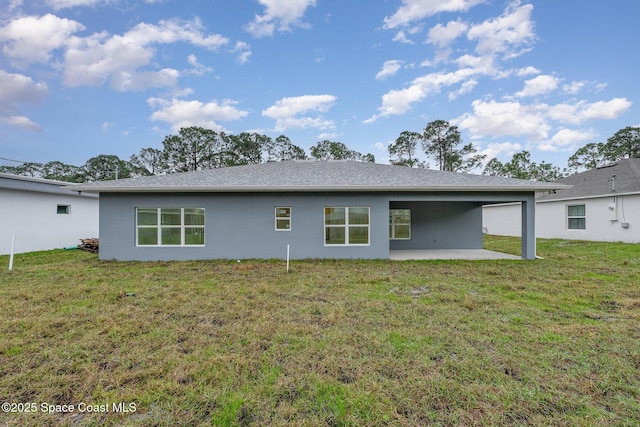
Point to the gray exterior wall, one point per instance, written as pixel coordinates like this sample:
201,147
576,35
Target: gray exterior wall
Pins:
441,225
242,226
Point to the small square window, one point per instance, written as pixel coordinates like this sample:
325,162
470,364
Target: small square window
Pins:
283,218
64,209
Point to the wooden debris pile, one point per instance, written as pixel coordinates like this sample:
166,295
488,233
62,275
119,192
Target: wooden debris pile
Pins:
90,245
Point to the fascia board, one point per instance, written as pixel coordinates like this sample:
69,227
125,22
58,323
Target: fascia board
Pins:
307,189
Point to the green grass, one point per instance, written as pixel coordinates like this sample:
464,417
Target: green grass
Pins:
554,341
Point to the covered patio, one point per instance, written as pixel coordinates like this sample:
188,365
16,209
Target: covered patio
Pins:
447,225
461,254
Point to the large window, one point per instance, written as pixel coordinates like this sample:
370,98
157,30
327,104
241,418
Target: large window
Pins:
399,224
346,226
170,226
576,217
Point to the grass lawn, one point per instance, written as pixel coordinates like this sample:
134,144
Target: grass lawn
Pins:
554,341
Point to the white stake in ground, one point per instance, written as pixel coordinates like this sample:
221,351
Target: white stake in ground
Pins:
13,244
287,258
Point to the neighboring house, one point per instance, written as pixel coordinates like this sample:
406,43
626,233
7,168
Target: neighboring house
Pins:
322,209
602,205
42,215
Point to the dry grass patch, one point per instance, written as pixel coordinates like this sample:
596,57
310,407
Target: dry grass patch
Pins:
553,341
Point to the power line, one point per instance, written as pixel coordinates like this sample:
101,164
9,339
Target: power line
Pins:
11,160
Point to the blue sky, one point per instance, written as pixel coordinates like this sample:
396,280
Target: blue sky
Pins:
80,78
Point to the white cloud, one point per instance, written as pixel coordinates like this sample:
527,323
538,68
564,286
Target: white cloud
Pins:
16,89
496,149
31,39
198,68
527,71
291,106
14,4
582,111
174,30
574,87
327,135
538,86
99,58
243,50
502,34
138,81
605,109
287,112
279,15
504,119
389,68
402,36
21,122
415,10
442,36
465,88
397,102
121,60
94,60
182,113
63,4
567,139
535,121
505,35
180,92
193,60
600,86
481,64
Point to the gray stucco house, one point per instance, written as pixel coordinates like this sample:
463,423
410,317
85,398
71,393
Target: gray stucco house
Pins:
321,209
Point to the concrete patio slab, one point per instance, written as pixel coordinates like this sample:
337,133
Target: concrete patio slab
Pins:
464,254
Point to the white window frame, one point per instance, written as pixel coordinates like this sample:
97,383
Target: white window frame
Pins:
393,225
282,218
159,226
570,217
346,226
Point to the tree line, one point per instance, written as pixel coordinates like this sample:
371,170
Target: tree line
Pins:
195,148
441,142
624,144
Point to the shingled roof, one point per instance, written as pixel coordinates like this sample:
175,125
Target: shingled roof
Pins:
622,177
36,185
295,175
